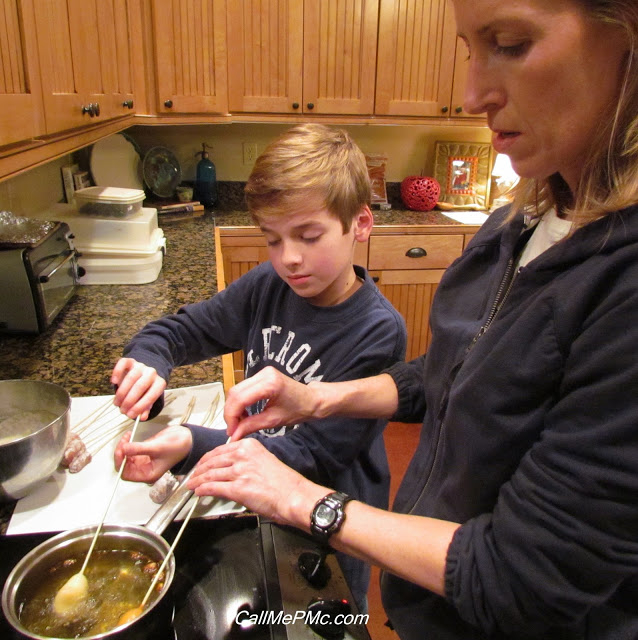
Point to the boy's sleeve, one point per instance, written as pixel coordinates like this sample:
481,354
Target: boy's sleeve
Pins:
319,450
197,331
323,449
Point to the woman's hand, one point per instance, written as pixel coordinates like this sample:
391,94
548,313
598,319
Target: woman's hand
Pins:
247,473
138,387
147,461
288,402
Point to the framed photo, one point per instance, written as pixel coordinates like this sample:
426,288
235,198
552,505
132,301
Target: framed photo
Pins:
463,171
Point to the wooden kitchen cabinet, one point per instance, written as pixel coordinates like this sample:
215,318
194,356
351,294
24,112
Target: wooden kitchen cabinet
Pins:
421,65
189,40
407,262
86,60
312,57
20,90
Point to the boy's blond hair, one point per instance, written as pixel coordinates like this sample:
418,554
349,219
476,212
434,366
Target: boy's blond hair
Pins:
310,164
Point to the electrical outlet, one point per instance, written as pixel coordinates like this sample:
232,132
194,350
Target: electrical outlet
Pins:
250,152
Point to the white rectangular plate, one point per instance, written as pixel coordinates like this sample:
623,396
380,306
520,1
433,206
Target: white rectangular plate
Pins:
70,500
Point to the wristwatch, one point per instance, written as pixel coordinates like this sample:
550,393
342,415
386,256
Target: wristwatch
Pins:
328,516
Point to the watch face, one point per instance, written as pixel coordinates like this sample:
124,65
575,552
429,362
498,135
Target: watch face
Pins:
325,516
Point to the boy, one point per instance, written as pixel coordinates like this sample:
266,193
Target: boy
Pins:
309,312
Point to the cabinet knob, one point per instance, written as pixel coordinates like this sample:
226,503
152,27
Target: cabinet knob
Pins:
416,252
93,109
128,104
444,109
375,278
295,105
168,103
311,105
458,109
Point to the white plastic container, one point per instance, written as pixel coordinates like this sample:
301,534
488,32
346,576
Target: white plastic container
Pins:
135,233
109,202
121,270
117,266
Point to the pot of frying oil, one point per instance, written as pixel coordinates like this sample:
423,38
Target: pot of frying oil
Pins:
120,571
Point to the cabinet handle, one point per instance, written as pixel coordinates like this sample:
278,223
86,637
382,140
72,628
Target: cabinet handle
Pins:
295,105
416,252
444,109
458,109
92,109
375,278
311,105
128,104
168,103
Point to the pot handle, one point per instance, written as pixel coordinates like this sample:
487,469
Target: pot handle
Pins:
168,511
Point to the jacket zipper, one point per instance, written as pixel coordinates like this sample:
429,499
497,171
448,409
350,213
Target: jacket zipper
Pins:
504,288
503,291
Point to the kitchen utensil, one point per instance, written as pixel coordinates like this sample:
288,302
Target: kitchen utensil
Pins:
147,539
76,589
161,171
38,415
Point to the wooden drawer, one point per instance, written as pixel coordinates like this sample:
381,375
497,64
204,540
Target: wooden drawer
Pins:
414,251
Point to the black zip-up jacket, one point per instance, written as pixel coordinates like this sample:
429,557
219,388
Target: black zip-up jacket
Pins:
529,440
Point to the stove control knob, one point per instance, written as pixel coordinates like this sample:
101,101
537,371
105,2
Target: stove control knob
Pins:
328,617
314,569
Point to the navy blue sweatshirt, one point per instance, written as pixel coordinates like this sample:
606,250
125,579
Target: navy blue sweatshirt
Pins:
261,315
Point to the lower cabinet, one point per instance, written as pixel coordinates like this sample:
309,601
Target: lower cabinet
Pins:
406,262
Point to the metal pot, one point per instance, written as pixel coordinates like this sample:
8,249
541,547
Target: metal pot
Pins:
31,452
147,539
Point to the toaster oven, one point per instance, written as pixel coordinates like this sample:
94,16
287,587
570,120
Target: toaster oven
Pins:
37,279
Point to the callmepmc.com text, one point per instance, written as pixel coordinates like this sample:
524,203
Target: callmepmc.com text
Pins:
244,618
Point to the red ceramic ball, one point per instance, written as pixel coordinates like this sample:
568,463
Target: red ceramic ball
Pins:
420,193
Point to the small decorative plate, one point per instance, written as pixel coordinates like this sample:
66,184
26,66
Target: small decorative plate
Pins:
162,172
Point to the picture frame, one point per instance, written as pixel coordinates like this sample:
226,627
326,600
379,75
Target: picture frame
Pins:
463,171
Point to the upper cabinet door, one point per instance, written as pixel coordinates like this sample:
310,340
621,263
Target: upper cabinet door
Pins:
85,61
417,44
340,52
189,37
265,61
20,94
288,56
458,88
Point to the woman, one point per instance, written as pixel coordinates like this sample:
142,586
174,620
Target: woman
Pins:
518,515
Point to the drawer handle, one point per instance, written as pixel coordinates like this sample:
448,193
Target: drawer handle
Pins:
416,252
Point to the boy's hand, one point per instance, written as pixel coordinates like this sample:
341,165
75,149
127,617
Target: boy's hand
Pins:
138,387
147,461
288,402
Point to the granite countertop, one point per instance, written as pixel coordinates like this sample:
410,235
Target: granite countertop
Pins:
86,339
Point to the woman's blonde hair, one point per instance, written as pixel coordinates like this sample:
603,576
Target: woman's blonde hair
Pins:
310,163
610,176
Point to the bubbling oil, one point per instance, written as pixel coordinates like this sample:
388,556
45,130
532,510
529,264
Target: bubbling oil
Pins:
118,581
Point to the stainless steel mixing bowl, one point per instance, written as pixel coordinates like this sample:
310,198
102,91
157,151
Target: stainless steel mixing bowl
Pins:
34,424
